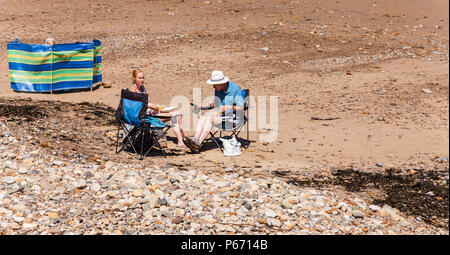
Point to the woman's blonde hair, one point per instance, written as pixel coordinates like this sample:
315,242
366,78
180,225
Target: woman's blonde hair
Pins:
135,73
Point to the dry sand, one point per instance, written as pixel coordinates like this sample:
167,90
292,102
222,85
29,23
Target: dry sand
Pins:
363,62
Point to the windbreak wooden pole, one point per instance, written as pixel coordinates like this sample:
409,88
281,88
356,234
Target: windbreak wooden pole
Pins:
51,68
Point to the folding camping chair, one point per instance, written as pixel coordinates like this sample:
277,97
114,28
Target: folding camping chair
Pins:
231,125
131,117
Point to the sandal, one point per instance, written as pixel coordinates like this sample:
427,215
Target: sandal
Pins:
193,146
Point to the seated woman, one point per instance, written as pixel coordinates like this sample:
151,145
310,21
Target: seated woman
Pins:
176,117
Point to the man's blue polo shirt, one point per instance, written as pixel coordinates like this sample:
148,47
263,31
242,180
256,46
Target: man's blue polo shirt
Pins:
233,95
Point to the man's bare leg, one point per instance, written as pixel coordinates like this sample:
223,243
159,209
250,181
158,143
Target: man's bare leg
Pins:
209,122
200,125
206,129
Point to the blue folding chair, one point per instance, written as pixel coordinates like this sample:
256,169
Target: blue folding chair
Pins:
132,118
231,125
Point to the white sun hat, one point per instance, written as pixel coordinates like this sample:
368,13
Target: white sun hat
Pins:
217,77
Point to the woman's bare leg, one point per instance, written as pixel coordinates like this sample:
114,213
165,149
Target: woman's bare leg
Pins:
178,134
180,122
176,122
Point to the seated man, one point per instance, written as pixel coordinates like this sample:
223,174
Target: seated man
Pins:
228,99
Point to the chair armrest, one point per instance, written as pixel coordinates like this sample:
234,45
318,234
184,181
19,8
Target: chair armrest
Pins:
203,107
159,117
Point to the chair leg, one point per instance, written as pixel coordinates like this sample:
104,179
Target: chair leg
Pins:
142,145
206,140
156,142
235,133
151,147
127,139
162,150
117,138
215,140
131,140
241,139
159,144
248,137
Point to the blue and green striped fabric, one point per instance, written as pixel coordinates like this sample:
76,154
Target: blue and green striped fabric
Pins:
97,61
46,68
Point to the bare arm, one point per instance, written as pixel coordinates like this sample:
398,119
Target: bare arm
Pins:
229,107
154,107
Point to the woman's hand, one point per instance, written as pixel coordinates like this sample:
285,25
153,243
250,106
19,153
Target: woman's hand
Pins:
154,108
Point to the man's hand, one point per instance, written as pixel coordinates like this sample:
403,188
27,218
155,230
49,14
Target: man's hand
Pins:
196,109
224,108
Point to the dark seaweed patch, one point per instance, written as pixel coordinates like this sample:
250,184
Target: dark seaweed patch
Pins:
421,193
22,112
